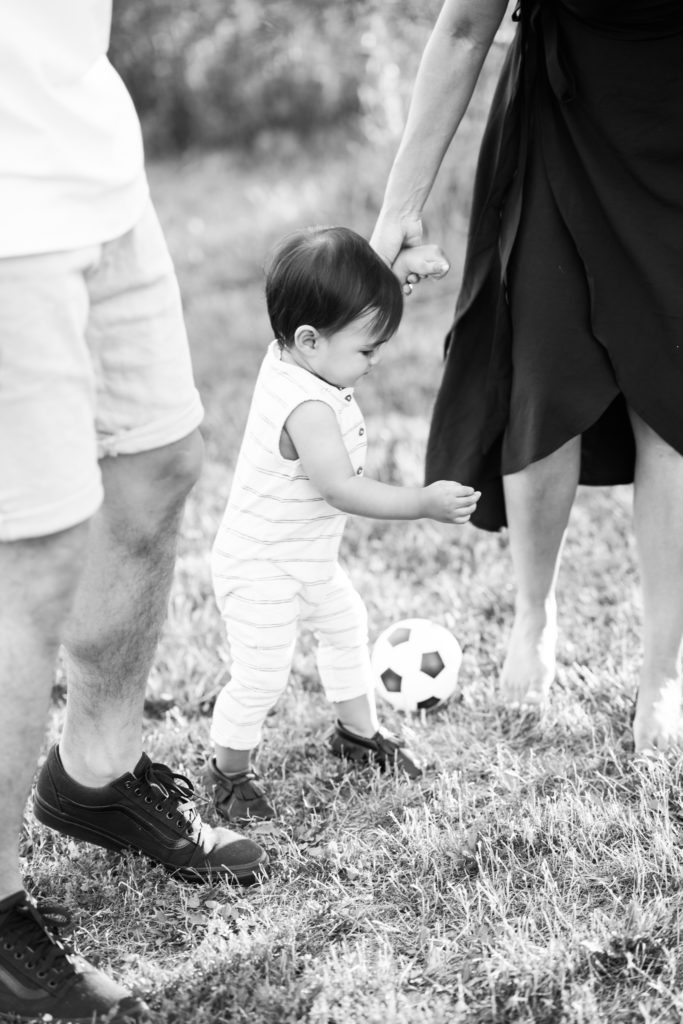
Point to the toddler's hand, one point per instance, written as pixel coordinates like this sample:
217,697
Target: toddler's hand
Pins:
450,502
417,262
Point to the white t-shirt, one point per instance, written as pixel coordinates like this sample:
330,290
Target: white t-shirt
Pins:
71,158
275,514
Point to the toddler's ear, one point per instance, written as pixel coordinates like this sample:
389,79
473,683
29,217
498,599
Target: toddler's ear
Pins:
306,337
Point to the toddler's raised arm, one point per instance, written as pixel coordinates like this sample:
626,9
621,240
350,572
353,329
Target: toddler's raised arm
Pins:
314,432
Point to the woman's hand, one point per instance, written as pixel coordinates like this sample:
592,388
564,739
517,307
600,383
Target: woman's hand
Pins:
398,240
394,233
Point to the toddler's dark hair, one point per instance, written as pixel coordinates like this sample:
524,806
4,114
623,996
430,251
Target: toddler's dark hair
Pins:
327,277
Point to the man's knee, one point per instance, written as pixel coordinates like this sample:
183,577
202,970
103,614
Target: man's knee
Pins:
174,470
39,578
145,494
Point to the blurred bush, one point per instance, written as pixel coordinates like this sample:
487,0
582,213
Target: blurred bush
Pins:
223,72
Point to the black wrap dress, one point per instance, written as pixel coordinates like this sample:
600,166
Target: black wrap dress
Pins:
571,304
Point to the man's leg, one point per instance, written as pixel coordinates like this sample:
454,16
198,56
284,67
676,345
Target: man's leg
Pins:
658,520
121,604
538,501
38,581
98,786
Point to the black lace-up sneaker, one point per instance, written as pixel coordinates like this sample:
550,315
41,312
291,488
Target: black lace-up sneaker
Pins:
238,796
149,810
387,751
40,975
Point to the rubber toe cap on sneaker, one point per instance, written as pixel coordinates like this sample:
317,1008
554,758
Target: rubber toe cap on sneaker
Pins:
227,853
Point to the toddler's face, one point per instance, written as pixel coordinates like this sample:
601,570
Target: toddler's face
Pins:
347,355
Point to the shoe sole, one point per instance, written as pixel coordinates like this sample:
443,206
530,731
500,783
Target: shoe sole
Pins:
72,827
136,1012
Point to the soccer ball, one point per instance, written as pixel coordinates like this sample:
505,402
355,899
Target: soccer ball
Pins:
416,663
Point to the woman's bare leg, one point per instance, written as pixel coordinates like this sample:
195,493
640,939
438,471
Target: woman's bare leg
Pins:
538,500
658,524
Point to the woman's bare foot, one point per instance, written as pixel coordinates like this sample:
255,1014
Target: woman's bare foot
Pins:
529,667
657,722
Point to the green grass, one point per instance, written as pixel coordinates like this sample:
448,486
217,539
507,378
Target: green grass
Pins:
534,874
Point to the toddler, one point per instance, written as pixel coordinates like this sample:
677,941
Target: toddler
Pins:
333,306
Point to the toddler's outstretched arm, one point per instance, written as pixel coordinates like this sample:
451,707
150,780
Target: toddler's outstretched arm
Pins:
315,434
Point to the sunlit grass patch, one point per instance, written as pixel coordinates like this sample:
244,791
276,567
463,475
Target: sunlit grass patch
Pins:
533,875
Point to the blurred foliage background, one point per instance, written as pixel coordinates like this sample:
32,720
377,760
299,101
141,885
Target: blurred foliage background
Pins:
223,72
260,116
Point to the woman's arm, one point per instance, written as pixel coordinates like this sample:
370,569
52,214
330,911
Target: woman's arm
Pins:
314,432
448,72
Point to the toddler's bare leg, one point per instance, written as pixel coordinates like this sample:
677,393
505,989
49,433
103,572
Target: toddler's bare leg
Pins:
229,760
359,714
